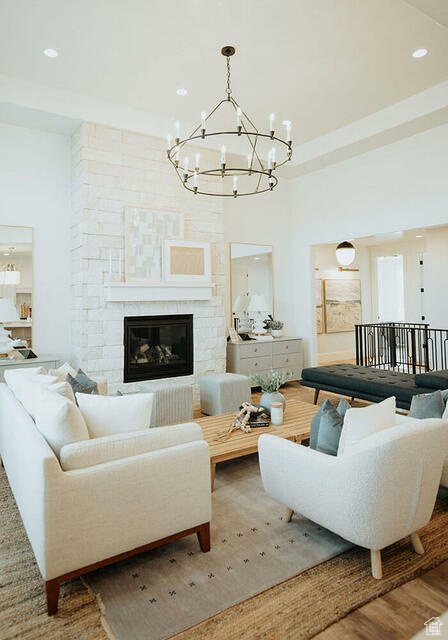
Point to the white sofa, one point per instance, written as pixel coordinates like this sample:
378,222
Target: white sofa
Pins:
82,519
381,490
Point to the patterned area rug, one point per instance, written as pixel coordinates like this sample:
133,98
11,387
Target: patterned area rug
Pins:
160,593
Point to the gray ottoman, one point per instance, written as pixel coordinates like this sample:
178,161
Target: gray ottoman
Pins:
173,402
223,392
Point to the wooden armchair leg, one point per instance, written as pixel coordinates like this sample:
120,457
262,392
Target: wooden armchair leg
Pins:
52,588
417,543
288,515
204,537
316,395
375,559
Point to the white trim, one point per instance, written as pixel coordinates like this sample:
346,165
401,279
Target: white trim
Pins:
158,292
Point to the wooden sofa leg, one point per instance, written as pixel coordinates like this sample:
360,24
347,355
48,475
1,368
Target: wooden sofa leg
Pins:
316,395
288,515
204,537
417,543
52,588
375,559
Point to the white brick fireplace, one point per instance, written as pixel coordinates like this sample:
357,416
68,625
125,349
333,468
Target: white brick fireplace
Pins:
110,170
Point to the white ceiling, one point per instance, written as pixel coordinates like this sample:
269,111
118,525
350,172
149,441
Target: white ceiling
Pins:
321,63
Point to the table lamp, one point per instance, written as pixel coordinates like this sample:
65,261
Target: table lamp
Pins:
8,313
258,309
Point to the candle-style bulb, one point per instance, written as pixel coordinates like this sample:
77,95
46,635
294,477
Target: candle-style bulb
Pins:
271,121
168,141
196,162
195,179
270,161
288,130
273,156
223,154
185,165
177,125
203,116
249,160
235,186
238,117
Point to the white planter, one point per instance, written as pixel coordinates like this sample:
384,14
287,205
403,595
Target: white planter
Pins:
277,333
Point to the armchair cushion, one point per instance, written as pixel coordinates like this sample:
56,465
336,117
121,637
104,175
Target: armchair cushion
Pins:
360,423
330,427
107,415
124,445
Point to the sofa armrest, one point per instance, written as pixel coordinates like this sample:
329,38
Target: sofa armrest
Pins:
101,511
88,453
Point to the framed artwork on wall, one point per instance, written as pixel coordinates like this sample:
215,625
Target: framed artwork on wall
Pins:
319,284
342,305
146,229
187,261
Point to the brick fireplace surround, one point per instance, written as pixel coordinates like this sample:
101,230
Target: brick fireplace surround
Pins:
111,169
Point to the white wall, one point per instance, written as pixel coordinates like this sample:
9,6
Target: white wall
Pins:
35,191
400,186
266,219
341,346
436,282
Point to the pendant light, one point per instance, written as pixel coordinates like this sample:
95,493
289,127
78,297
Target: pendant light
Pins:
345,253
9,273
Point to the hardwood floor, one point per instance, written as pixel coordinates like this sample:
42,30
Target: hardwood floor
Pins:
399,614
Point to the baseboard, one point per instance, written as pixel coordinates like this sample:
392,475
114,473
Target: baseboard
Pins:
332,356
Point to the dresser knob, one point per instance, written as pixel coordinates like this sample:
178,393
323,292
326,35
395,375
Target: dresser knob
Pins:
287,359
287,346
256,364
256,350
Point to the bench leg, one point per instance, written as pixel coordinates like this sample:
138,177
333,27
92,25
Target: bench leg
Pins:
375,559
52,588
316,395
204,537
417,543
288,515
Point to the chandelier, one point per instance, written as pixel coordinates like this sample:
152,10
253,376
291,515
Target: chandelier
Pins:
265,152
9,273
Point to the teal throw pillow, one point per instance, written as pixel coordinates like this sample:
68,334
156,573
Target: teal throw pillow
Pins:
427,405
81,383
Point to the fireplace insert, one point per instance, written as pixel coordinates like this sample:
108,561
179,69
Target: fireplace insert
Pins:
157,347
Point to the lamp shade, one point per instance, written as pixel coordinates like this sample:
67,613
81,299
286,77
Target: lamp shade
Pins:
258,303
240,304
345,253
8,311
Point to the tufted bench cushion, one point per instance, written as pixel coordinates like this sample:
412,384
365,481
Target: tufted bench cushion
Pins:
433,379
364,382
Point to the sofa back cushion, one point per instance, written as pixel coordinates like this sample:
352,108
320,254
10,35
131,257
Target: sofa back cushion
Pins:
124,445
363,422
59,420
107,415
14,377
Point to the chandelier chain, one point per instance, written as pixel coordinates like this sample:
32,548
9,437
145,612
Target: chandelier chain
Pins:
228,90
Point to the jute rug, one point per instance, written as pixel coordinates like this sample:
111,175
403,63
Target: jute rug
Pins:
293,610
158,594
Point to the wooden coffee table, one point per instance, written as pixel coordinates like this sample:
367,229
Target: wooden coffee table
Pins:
296,427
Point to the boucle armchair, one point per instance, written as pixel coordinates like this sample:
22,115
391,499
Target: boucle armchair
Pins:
381,490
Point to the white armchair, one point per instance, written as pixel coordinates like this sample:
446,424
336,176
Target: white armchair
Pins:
381,490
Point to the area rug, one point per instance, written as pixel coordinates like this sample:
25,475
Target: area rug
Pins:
164,591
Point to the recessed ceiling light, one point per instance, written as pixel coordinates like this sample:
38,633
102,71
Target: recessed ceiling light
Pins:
182,92
51,53
419,236
419,53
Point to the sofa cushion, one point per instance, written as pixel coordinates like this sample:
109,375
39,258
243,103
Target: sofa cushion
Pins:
13,377
59,420
62,371
124,445
106,415
365,380
427,405
433,379
81,383
360,423
29,388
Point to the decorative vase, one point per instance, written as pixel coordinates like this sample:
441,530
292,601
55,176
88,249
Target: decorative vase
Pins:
277,333
267,398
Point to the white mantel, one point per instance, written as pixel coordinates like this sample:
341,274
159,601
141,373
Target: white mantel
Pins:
158,292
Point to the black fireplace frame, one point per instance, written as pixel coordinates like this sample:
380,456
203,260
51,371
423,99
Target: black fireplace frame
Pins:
137,373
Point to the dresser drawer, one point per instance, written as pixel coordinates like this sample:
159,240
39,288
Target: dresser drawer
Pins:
255,349
286,360
293,373
248,366
286,346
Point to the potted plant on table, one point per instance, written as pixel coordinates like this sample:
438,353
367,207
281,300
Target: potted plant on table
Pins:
276,327
270,385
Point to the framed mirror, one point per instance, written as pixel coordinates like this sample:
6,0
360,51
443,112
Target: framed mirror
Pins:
251,280
16,288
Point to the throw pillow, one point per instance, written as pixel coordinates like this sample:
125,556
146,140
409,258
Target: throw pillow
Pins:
360,423
28,389
59,420
81,383
315,424
329,430
427,405
62,371
106,415
13,377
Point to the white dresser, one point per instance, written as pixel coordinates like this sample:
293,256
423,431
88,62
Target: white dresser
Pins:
49,362
280,354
